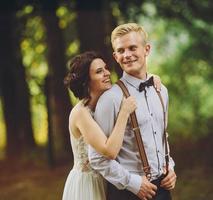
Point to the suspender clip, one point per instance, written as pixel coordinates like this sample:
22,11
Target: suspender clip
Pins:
135,128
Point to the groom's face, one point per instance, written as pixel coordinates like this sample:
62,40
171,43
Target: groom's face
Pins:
131,54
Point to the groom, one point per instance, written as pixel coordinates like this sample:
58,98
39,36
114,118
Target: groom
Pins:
127,180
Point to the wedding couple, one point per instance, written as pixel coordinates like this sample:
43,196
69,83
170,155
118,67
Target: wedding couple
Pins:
107,159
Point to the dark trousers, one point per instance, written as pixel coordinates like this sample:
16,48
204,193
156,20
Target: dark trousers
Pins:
161,193
115,194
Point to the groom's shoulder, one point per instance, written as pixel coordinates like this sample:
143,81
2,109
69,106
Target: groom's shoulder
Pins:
113,93
164,89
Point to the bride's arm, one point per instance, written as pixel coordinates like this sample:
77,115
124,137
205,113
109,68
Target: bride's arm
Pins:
95,137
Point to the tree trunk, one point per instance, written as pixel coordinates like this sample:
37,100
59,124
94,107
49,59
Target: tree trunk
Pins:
58,99
94,24
15,94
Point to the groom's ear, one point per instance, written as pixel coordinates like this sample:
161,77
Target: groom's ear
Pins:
147,49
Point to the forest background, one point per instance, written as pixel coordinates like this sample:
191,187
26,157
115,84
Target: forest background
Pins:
36,40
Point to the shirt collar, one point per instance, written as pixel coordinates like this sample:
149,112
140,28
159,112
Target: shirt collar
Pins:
135,82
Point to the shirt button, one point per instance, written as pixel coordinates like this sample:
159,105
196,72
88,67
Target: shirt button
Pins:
154,132
151,114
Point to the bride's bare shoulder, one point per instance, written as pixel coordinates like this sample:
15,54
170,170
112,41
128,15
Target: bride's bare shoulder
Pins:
78,110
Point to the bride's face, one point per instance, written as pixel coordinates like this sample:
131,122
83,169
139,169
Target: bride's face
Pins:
99,77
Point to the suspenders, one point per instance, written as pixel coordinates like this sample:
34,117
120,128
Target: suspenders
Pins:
138,137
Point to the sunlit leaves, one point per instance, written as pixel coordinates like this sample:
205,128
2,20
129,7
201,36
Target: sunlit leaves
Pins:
40,48
40,124
25,11
73,48
3,130
33,50
149,9
65,16
114,77
115,9
61,11
73,99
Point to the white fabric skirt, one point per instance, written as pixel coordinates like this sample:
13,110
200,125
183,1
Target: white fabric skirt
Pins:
84,186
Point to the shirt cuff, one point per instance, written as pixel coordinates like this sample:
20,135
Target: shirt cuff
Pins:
134,183
171,163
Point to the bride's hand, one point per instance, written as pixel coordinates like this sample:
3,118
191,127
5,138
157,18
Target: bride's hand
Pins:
157,82
129,104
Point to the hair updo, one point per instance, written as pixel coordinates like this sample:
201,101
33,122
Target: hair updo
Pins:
77,78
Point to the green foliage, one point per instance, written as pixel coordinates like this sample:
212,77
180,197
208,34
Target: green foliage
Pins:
40,121
3,131
114,77
187,78
67,22
73,99
73,48
33,50
65,16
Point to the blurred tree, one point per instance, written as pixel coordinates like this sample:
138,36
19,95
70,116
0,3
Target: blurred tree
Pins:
90,21
192,90
94,24
197,18
58,102
15,94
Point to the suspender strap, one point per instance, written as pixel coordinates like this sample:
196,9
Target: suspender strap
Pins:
164,133
135,127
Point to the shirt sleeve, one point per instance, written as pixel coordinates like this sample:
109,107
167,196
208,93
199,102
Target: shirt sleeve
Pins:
111,170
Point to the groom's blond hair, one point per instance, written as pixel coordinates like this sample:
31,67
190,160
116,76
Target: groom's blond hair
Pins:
124,29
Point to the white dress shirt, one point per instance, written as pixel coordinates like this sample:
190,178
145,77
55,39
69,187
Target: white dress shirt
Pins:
125,172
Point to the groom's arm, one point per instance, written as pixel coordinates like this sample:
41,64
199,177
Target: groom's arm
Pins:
105,115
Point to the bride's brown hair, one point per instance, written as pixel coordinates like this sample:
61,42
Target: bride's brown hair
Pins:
77,78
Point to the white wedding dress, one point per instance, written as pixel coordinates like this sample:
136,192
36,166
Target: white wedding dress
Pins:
83,183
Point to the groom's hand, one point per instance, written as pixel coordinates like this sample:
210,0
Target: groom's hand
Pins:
147,189
169,181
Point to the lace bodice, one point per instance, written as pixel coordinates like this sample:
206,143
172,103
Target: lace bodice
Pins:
80,151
